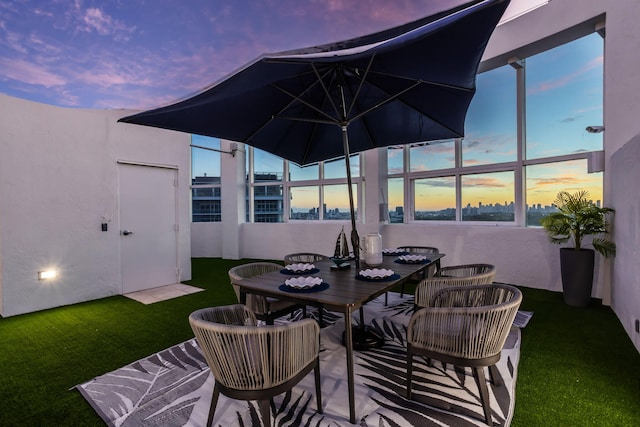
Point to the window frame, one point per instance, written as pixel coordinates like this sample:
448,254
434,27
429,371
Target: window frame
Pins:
518,167
192,186
321,182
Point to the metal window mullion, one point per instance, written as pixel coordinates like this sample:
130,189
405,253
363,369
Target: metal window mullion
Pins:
408,197
251,182
458,178
555,159
359,181
410,213
286,197
407,183
520,214
321,184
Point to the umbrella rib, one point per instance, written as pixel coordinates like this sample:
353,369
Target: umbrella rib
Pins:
364,122
386,101
301,119
324,88
426,82
396,97
294,98
302,101
362,80
327,97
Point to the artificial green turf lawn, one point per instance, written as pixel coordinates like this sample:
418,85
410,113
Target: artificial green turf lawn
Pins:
46,353
577,366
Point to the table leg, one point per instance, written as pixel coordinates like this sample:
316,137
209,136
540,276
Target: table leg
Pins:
348,343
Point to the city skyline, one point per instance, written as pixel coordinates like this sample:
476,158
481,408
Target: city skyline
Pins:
497,206
341,210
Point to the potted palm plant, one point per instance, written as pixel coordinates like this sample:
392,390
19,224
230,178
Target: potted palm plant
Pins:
576,218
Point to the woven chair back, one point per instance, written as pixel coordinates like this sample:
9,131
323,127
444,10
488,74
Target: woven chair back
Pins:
466,322
458,275
243,356
256,303
304,257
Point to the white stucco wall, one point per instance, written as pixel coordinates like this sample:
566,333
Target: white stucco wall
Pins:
58,178
206,239
625,177
523,256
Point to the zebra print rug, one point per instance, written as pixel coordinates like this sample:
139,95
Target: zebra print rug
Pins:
174,387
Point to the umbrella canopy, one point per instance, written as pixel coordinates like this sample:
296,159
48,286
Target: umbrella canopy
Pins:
411,83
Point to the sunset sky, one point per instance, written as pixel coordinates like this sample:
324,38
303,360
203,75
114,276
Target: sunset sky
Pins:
138,54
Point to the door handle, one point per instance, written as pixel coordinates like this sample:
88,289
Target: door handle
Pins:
126,232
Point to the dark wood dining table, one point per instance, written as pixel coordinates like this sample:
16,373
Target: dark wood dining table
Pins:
345,294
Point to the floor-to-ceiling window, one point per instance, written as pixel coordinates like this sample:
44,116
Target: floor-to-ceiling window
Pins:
564,96
314,192
265,186
525,139
205,179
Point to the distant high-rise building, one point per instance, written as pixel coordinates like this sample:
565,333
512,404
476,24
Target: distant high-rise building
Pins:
206,202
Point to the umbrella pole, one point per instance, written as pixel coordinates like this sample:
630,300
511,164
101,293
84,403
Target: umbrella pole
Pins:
355,239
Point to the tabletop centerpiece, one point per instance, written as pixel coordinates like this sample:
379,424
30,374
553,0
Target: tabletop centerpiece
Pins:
341,254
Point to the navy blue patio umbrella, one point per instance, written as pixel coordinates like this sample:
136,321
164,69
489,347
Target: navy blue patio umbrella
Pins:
411,83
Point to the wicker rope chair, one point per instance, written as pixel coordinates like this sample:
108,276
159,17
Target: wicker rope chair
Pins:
466,326
251,362
420,250
456,275
304,257
265,308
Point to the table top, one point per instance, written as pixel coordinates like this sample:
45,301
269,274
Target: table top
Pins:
344,291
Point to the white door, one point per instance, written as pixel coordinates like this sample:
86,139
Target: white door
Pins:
148,227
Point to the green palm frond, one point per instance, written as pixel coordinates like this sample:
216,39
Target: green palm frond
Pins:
578,217
606,247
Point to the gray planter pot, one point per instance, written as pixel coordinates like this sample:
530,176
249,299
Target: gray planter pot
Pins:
576,268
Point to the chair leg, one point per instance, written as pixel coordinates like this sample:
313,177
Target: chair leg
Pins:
214,402
496,378
304,311
316,371
321,316
265,412
478,374
409,370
